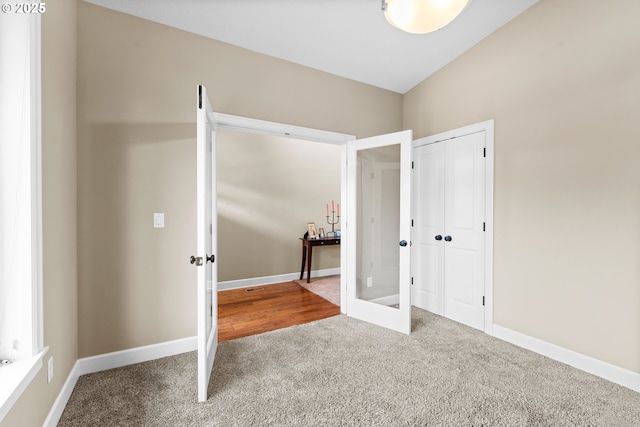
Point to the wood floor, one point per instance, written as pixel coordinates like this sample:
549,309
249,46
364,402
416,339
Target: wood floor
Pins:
258,309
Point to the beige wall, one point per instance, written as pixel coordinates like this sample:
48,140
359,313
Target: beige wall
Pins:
562,83
136,154
269,188
59,212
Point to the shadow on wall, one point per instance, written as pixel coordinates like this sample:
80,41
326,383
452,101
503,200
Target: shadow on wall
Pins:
269,188
135,283
131,276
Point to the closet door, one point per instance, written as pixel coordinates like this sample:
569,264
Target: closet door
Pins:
428,224
448,236
463,230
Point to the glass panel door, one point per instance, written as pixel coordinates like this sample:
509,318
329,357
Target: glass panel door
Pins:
207,234
379,179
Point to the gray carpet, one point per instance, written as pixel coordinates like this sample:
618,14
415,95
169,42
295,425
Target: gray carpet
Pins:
343,372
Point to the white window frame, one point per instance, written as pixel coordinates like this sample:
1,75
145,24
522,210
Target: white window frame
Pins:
15,377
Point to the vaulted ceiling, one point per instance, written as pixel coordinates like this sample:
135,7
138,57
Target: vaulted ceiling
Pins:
348,38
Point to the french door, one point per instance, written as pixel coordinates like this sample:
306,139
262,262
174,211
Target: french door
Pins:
207,244
378,227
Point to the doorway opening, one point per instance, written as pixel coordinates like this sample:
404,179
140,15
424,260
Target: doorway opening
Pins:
274,179
386,314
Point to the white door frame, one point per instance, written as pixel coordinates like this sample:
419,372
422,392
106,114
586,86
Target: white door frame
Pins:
487,127
245,124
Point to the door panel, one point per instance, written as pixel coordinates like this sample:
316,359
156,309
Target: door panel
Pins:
206,241
459,179
428,216
378,267
461,280
464,213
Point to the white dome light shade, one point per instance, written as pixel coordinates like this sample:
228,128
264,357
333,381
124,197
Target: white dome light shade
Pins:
423,16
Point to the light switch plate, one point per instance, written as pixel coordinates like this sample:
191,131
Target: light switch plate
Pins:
158,220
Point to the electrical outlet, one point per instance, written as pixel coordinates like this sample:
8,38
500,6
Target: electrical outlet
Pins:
49,369
369,282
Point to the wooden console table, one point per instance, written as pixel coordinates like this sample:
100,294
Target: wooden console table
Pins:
307,251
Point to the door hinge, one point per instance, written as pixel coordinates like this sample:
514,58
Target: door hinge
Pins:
412,280
412,223
483,300
484,226
484,152
200,97
412,164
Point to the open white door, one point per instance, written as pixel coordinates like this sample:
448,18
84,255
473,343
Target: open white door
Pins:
207,243
378,229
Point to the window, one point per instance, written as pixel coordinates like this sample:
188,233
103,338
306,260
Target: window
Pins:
21,340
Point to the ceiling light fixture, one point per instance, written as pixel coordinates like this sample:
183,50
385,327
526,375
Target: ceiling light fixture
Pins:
422,16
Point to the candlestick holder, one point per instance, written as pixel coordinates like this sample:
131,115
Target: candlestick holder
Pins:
332,223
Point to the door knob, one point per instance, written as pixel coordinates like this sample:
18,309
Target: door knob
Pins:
447,238
211,258
438,237
403,243
195,260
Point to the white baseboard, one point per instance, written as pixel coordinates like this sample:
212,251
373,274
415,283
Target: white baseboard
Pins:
89,365
268,280
63,397
580,361
102,362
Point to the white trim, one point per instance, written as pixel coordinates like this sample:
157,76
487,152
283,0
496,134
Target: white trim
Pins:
36,176
269,280
63,397
344,200
488,242
15,378
487,127
116,359
245,124
580,361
